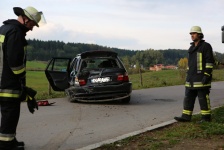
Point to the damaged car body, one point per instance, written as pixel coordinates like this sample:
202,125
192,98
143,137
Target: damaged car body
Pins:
93,76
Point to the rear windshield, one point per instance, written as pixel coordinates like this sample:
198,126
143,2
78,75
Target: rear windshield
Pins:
96,63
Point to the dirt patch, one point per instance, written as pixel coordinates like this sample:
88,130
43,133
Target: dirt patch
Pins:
214,143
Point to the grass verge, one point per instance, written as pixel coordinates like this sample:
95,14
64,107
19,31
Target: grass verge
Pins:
190,135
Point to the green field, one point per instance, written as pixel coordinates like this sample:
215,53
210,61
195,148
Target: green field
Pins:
38,81
36,65
166,78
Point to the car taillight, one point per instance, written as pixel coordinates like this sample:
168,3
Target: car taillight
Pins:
82,82
122,77
126,78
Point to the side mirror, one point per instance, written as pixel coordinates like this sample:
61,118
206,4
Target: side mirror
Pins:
222,28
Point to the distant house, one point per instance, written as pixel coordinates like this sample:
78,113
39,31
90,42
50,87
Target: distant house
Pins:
156,67
171,67
159,67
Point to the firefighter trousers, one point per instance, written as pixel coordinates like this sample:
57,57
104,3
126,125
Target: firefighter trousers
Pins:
204,102
10,113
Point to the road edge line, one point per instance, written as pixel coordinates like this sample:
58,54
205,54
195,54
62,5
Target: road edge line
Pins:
96,145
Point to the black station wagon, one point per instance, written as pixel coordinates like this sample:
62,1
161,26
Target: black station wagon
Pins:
92,76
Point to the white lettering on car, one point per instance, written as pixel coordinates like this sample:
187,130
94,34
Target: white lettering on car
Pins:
100,80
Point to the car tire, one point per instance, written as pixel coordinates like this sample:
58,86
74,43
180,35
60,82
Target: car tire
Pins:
126,100
72,100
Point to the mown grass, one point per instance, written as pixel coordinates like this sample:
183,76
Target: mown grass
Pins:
165,78
156,79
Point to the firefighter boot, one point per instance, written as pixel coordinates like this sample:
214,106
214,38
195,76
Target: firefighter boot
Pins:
9,145
183,118
19,143
18,148
205,118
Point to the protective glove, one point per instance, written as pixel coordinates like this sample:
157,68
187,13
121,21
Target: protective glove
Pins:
31,104
31,101
205,79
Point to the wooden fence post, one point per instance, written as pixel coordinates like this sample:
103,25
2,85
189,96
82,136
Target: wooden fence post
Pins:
140,73
49,89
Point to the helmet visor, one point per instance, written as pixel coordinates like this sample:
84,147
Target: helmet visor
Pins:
37,17
42,19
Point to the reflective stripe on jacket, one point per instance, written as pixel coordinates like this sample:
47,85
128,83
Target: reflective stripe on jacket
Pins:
10,93
7,137
197,84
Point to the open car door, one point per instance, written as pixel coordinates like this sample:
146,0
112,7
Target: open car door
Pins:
57,73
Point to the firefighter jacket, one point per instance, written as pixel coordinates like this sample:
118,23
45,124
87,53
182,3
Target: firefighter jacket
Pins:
200,65
12,59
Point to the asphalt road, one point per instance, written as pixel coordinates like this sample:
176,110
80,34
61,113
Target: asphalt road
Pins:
69,126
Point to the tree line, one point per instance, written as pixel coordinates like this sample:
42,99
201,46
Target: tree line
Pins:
44,50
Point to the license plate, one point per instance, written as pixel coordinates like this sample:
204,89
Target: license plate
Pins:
100,80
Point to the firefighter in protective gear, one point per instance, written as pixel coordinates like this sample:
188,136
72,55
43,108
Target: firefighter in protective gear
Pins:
13,72
199,76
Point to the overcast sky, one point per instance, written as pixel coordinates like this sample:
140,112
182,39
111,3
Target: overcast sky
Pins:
128,24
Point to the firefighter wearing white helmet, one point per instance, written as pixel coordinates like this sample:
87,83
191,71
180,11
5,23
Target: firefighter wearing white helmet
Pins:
199,75
13,88
196,29
31,14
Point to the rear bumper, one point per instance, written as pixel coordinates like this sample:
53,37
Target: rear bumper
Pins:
100,93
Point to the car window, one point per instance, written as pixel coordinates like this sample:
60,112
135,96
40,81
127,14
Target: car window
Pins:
59,65
95,63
